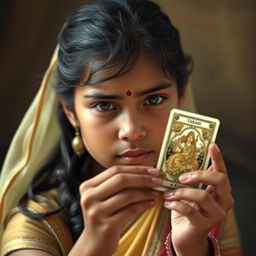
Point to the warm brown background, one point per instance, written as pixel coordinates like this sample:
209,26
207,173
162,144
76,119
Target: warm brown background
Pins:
220,35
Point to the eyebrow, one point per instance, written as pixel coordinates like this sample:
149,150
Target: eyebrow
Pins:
154,89
103,96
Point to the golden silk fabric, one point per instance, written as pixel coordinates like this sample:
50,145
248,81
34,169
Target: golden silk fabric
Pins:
50,234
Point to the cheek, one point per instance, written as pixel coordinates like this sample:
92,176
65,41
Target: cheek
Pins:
159,129
95,138
157,126
92,131
96,134
162,120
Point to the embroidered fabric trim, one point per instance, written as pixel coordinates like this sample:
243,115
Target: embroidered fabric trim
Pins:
167,244
214,244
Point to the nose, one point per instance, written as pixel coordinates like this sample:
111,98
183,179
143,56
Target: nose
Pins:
131,128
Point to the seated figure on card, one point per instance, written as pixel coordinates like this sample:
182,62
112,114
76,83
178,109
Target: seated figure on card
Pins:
185,154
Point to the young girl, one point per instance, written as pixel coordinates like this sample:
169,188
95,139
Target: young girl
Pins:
120,70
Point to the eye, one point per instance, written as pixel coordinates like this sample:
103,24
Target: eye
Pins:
155,99
103,106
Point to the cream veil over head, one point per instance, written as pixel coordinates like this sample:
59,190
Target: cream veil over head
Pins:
34,141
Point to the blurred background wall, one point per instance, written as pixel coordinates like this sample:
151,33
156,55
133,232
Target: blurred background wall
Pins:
221,37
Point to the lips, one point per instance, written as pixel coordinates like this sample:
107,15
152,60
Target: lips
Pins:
134,156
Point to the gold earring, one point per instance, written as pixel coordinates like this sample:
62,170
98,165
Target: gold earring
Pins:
77,143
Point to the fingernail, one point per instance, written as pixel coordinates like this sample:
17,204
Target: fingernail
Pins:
168,204
218,149
157,181
185,177
153,171
169,194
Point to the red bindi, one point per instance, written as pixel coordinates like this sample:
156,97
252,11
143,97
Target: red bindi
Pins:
128,93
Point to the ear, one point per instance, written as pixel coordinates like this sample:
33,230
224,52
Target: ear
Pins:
182,95
69,113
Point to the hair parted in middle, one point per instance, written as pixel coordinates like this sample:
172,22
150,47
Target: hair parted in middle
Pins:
103,34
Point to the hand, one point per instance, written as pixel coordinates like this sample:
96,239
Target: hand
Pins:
195,211
112,198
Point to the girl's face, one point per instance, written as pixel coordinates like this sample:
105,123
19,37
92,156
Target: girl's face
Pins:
122,121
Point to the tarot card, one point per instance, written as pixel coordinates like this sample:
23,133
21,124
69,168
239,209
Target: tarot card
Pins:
185,146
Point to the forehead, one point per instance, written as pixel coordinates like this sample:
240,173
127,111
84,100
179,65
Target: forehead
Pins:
146,72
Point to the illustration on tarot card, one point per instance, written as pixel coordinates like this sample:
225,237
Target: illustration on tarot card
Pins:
185,145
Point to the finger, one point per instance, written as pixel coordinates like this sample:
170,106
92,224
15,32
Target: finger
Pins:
126,198
97,215
210,189
117,183
216,179
186,210
210,168
131,211
219,181
218,163
120,169
201,198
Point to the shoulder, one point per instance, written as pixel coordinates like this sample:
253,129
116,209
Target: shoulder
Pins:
50,234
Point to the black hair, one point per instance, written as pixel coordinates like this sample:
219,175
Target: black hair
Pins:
100,35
